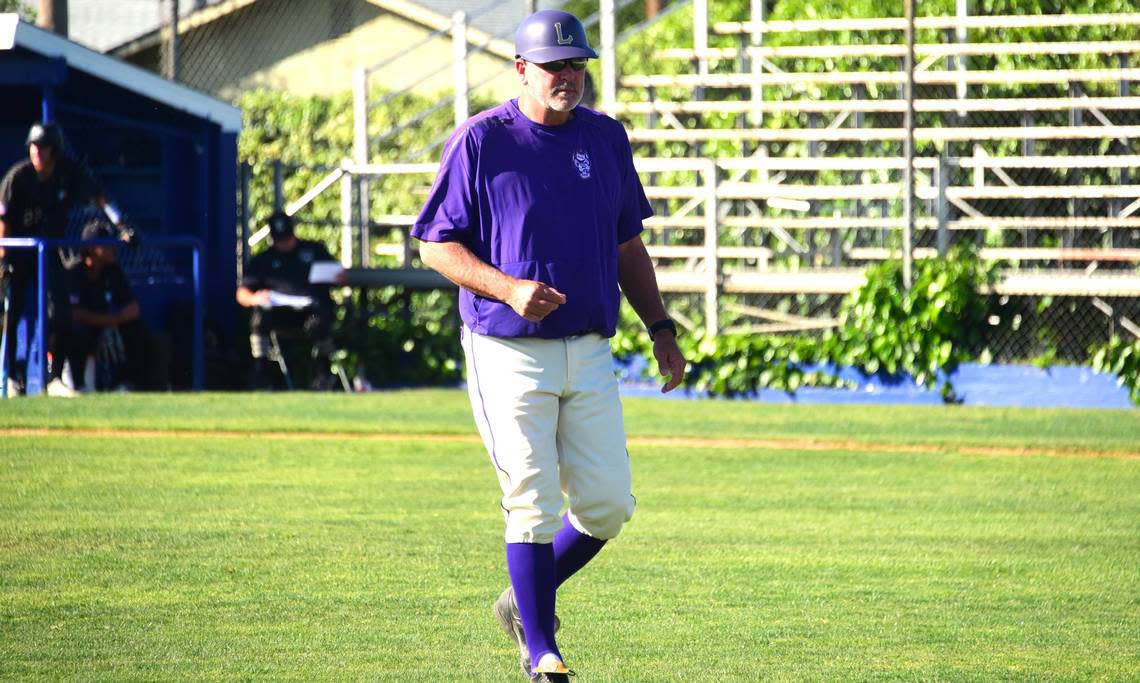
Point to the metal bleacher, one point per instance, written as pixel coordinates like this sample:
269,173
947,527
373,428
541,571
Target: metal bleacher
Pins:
801,134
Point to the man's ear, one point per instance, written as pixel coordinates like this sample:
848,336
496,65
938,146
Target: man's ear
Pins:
520,69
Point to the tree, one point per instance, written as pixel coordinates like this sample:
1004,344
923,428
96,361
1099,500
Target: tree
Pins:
26,13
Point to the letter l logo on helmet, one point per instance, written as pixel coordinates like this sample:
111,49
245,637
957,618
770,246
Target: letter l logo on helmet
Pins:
558,32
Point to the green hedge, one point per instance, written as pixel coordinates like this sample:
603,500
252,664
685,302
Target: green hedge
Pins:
882,328
1121,358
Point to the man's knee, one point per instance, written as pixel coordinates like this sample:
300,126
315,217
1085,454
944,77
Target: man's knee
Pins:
533,511
601,498
603,519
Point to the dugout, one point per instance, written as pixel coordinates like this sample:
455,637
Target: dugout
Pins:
165,153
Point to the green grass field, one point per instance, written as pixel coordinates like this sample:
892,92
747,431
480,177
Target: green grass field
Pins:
314,537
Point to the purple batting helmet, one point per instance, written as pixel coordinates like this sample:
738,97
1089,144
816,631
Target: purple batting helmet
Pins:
550,35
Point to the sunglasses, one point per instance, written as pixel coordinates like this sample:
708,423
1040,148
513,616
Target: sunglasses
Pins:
557,66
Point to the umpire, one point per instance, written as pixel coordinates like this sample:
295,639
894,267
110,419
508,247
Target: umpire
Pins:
536,214
36,198
284,269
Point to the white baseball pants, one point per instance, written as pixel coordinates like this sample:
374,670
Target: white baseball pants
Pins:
550,416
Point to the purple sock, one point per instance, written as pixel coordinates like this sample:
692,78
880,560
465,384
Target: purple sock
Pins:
531,568
572,550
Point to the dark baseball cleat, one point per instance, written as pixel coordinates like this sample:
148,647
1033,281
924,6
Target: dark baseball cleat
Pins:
507,612
551,670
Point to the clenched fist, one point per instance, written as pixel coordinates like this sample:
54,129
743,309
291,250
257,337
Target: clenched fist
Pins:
534,300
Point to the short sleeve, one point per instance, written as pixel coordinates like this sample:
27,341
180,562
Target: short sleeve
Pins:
6,193
450,213
635,205
253,277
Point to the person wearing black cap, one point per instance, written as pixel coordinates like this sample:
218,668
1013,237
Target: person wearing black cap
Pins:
36,198
105,316
276,287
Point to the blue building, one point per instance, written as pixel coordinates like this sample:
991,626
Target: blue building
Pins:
165,153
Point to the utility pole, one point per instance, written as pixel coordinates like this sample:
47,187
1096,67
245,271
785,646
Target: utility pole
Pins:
172,44
53,16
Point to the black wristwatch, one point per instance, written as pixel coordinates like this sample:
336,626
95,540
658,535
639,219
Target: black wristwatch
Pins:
664,324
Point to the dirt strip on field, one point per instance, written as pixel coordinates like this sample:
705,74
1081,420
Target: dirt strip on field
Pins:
774,444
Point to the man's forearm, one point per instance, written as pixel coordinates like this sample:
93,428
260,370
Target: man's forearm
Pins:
639,281
91,318
247,297
456,263
130,313
531,299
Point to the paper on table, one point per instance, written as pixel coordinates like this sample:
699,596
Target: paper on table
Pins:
325,271
282,300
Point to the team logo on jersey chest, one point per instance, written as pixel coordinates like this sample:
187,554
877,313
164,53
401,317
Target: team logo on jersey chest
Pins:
582,163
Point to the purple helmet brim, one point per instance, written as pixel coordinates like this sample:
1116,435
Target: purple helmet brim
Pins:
541,55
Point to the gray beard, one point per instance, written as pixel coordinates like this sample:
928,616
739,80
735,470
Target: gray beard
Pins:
560,105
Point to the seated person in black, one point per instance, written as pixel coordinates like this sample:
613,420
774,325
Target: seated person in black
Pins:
283,302
105,318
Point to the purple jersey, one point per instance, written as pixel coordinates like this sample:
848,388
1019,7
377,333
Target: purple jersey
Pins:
545,203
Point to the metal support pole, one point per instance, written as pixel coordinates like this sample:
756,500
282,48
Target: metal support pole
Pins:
346,247
40,340
6,283
278,185
962,11
365,221
459,64
1115,238
942,208
360,155
712,262
47,104
757,64
908,152
360,115
243,216
197,363
609,56
701,34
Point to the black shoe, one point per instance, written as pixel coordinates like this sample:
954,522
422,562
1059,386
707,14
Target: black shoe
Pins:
552,670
